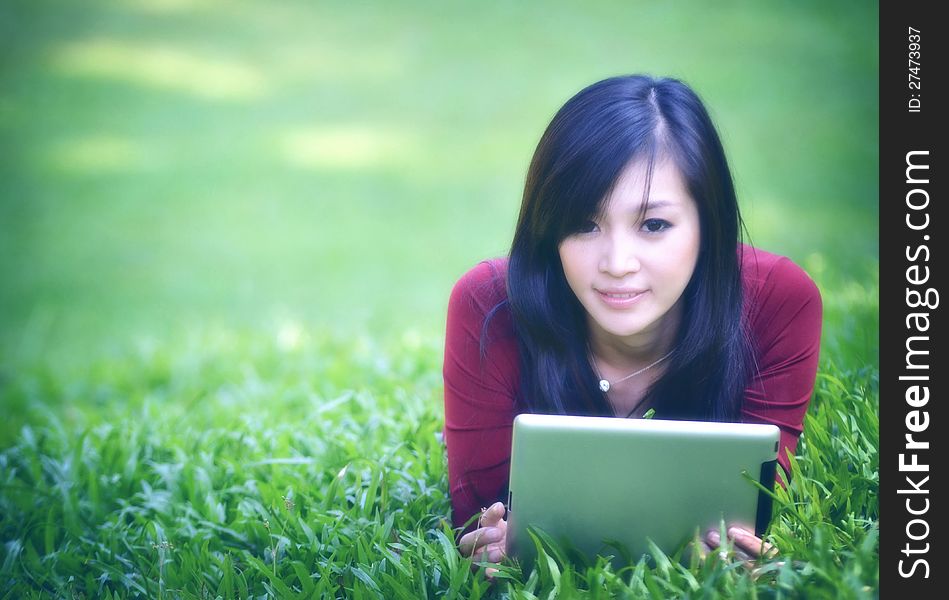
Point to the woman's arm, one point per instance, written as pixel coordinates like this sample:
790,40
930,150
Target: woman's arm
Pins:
785,327
479,392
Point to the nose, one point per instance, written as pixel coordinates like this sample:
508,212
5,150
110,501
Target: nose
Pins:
619,255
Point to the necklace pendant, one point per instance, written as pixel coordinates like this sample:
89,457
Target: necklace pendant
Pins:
604,385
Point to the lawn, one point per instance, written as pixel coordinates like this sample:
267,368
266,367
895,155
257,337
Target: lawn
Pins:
228,231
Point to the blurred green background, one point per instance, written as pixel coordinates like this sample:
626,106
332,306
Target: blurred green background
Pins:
171,165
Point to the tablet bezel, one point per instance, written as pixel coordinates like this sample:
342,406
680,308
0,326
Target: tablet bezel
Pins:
659,469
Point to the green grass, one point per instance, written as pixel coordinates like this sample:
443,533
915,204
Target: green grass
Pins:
290,463
228,231
244,465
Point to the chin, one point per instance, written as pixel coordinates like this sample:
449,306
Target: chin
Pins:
630,332
623,330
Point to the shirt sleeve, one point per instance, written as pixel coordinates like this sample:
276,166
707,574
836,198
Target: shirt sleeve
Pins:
785,330
479,393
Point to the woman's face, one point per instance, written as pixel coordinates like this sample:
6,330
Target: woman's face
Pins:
629,270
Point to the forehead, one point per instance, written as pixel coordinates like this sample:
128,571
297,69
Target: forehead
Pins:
667,186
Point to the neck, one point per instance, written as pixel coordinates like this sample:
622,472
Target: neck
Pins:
625,354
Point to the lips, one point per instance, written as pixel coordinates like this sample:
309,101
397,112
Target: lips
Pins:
620,297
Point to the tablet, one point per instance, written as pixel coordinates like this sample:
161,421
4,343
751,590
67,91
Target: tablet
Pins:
586,481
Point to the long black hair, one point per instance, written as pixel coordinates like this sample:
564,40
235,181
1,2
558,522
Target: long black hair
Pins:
591,139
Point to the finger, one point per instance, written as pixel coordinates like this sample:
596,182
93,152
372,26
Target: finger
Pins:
714,541
485,557
467,543
472,541
489,553
750,543
492,515
713,538
743,556
481,555
496,553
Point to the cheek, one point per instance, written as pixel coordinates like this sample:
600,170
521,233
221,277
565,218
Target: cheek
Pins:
678,261
574,263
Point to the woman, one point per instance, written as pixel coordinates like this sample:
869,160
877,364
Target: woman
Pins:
627,288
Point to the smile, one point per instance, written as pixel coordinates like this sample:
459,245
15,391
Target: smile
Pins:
620,299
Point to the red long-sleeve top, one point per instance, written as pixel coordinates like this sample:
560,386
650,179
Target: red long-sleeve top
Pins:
782,309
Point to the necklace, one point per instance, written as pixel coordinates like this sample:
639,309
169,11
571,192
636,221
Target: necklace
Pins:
605,384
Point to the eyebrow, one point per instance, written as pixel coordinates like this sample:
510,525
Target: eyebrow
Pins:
659,203
653,204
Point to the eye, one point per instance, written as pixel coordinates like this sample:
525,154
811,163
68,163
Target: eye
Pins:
656,225
587,227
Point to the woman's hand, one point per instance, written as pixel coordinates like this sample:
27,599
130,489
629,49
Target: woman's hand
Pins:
747,545
488,542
